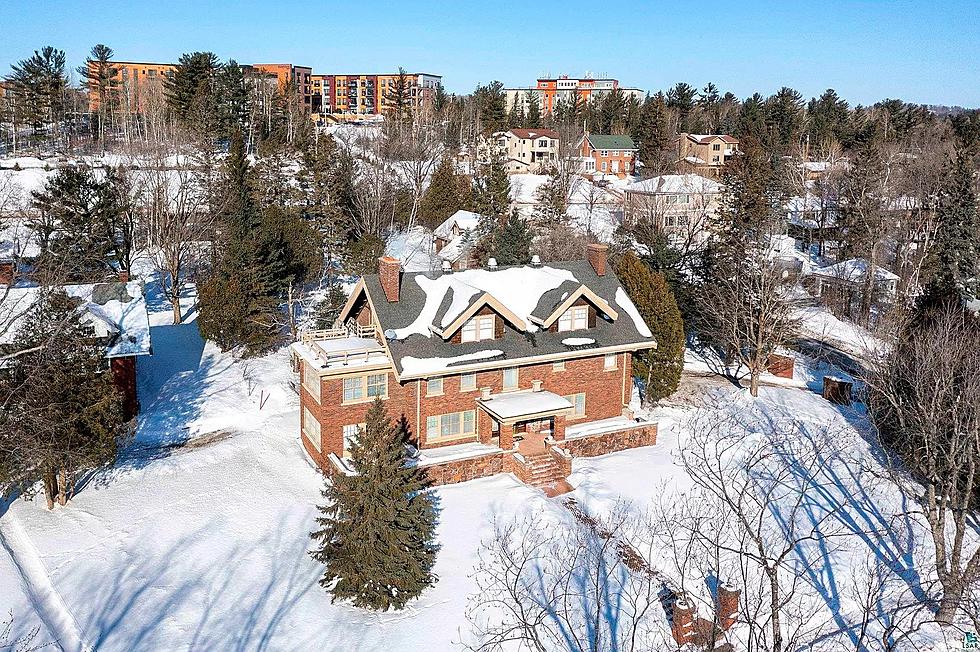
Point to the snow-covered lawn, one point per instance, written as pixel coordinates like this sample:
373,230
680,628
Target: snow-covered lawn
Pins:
198,538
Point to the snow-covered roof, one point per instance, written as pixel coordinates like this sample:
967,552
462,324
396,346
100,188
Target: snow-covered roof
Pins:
512,405
676,184
16,241
854,271
462,220
701,139
524,190
414,248
117,312
457,247
695,160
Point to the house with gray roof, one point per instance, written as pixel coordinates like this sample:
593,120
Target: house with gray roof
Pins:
497,369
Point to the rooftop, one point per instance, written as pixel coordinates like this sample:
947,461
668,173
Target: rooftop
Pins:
611,141
513,405
675,184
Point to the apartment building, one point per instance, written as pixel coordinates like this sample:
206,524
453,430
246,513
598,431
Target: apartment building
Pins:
356,96
136,82
286,73
704,154
516,369
527,150
548,92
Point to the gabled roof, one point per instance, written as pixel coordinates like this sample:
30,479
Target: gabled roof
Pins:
703,139
607,141
463,220
432,304
531,134
554,303
675,184
854,270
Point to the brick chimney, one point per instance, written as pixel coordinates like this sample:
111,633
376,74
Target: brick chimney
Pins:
7,272
124,276
390,275
728,597
596,254
682,626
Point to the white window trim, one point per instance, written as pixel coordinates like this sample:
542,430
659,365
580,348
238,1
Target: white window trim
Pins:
574,319
365,398
573,398
463,387
430,391
311,428
517,379
558,366
615,362
475,329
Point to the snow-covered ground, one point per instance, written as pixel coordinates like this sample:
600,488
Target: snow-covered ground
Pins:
198,538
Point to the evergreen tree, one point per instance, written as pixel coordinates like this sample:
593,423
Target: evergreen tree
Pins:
76,222
61,412
658,369
957,249
513,242
491,105
828,118
652,133
376,535
101,79
40,88
192,86
491,199
398,100
444,196
532,119
784,116
682,98
516,117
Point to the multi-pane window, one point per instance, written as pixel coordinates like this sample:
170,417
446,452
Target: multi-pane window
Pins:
479,328
558,366
573,319
433,387
467,382
609,361
452,425
511,378
311,428
716,147
311,381
351,432
578,400
365,387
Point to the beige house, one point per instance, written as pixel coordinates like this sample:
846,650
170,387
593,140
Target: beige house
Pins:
680,205
528,150
705,154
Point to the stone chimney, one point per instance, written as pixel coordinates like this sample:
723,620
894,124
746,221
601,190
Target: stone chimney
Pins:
596,254
8,269
728,597
682,626
390,275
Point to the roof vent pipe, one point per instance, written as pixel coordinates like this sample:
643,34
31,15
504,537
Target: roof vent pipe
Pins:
492,264
535,261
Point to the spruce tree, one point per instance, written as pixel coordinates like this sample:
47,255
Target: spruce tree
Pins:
532,118
376,535
491,199
659,369
444,196
39,88
61,411
192,84
513,242
957,249
100,79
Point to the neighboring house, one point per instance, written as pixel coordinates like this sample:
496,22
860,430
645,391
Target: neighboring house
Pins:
674,203
454,239
115,312
528,150
704,154
849,278
812,219
608,154
514,369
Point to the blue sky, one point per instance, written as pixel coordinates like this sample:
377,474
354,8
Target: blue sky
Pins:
921,51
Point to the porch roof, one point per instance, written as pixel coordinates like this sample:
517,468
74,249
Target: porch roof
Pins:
509,406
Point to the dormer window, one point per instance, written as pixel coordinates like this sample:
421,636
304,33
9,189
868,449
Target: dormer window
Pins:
573,319
479,328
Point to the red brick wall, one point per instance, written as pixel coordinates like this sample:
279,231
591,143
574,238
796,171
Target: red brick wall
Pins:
603,389
781,365
124,379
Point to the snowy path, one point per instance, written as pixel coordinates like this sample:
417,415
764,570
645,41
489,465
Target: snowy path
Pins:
36,582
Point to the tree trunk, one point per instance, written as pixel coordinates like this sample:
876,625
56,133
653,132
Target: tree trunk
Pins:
754,382
175,302
777,633
50,488
62,487
949,605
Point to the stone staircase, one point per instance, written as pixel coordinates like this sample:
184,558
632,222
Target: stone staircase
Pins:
544,471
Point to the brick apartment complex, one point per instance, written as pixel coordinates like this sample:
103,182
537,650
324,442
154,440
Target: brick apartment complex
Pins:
704,154
514,369
135,81
549,91
608,154
286,73
357,96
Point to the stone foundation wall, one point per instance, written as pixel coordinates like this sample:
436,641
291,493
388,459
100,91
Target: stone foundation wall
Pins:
470,469
611,442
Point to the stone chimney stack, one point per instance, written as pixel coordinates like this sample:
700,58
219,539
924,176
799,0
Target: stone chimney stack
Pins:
390,275
7,272
728,597
597,254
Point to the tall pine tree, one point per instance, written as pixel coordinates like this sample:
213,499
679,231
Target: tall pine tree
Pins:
376,535
513,242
